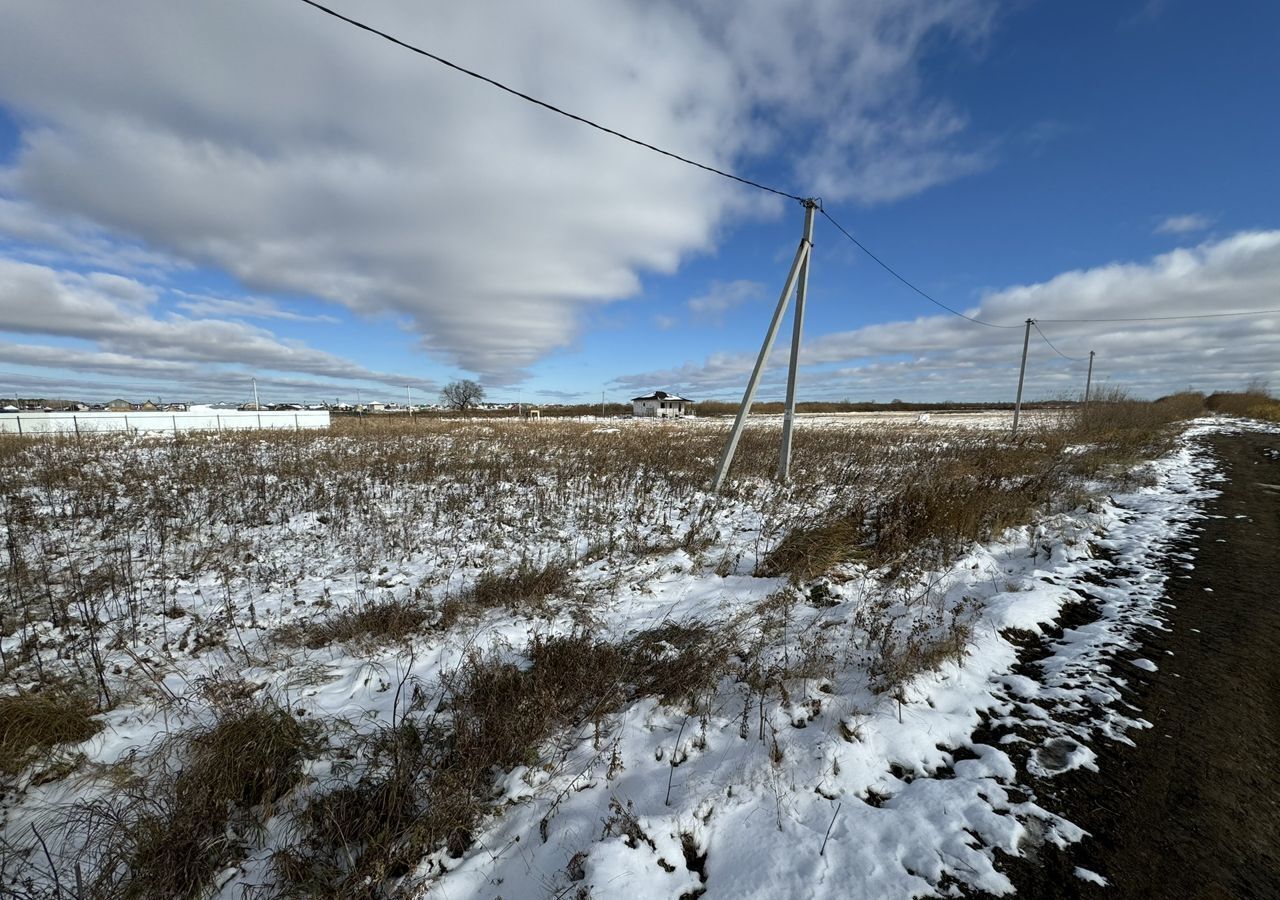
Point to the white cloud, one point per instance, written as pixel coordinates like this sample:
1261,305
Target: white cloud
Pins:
304,157
243,308
950,358
41,236
1187,223
115,316
723,296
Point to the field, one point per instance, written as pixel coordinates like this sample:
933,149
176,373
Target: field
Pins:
530,659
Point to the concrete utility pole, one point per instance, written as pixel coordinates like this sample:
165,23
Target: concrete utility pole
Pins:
1017,404
257,406
802,289
1088,379
408,400
800,262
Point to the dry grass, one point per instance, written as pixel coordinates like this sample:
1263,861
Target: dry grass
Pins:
808,551
373,622
34,724
938,512
427,780
925,649
166,835
1255,403
526,587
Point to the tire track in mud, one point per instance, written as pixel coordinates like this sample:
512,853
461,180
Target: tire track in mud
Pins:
1190,806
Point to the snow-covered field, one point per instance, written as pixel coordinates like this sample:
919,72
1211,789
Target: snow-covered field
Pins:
781,685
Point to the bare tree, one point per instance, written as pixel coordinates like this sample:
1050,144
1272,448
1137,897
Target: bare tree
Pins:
462,395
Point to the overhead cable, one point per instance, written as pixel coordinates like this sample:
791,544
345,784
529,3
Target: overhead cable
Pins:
545,105
1036,325
884,265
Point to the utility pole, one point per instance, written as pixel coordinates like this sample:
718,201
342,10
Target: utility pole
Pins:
602,404
800,262
408,401
1088,379
1017,404
802,289
257,406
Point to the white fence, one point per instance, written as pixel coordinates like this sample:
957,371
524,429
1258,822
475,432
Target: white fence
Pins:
95,422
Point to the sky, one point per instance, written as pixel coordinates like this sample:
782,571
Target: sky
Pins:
194,196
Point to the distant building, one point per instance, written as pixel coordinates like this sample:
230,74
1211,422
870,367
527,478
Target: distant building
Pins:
119,405
662,405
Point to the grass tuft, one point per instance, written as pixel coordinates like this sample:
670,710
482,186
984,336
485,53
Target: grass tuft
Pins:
32,725
810,550
169,835
373,622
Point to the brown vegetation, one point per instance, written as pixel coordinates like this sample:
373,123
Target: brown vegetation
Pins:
427,778
33,724
167,834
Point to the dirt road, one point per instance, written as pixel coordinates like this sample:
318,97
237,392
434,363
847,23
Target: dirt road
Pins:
1193,811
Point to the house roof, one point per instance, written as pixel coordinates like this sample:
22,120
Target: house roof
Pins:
661,395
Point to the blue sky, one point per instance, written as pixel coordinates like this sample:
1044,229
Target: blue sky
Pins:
263,192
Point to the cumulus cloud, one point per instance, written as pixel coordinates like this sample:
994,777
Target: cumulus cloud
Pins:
937,357
1188,223
305,158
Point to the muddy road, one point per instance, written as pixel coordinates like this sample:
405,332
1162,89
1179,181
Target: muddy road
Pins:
1193,810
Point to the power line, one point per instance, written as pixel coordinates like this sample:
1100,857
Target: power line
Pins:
1256,312
884,265
545,105
745,181
976,321
1036,326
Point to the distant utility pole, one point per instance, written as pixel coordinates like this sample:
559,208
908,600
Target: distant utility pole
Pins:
799,272
602,404
1017,404
256,405
1088,379
408,400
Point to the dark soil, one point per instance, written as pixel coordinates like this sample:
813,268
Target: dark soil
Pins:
1193,811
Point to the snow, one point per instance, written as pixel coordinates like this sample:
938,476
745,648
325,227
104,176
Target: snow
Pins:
850,793
1087,875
